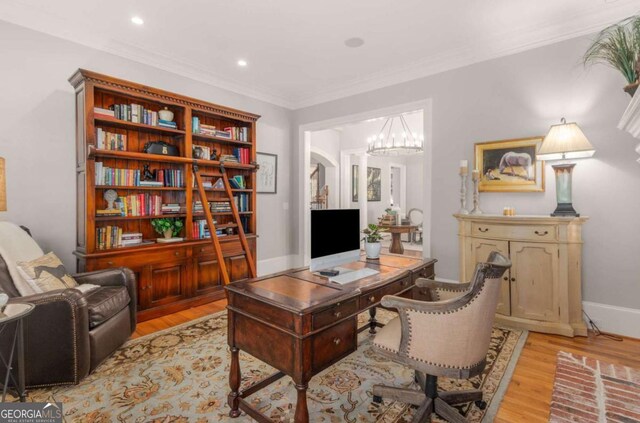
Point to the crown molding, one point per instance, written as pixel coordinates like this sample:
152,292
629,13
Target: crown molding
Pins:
589,22
526,38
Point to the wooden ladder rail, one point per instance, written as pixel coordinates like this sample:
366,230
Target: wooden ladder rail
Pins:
212,227
236,217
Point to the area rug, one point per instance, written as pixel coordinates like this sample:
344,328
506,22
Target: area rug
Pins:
590,390
180,375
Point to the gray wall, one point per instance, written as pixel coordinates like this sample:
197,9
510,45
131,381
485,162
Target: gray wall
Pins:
37,136
520,96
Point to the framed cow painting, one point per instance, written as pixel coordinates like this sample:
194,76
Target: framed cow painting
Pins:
510,165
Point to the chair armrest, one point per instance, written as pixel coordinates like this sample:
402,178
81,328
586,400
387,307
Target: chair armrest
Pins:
56,336
429,307
119,276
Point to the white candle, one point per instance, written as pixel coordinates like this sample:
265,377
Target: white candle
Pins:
464,163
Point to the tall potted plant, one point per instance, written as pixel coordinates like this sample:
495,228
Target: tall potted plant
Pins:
372,238
618,46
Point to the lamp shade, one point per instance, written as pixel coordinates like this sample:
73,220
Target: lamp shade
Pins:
3,187
565,141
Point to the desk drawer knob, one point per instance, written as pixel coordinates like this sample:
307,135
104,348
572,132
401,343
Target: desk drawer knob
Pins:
372,299
337,314
177,253
336,341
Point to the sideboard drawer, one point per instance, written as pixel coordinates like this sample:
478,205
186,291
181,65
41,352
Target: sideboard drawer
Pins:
528,233
334,343
140,259
334,313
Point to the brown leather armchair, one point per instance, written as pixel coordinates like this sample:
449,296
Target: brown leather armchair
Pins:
448,336
69,333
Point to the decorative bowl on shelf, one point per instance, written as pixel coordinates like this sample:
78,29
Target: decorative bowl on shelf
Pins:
166,114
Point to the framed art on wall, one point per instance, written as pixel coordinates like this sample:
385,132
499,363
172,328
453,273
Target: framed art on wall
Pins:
267,175
374,184
510,165
354,183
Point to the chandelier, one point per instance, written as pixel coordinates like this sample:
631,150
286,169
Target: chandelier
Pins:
395,139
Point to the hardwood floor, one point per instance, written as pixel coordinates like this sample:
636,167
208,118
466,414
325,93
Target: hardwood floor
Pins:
528,397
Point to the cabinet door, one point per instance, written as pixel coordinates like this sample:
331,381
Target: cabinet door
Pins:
208,276
480,250
534,281
167,282
237,267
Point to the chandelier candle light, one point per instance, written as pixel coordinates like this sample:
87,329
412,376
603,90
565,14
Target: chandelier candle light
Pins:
386,143
475,176
464,173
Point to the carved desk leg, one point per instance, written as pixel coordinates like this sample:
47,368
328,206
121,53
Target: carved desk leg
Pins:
372,320
302,412
234,383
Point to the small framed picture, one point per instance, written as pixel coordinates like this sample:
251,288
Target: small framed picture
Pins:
354,183
267,175
510,165
374,184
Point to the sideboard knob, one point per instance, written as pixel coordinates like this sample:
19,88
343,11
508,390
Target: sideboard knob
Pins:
372,299
336,341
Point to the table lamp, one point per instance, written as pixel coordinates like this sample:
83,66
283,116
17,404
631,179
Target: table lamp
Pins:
564,141
3,187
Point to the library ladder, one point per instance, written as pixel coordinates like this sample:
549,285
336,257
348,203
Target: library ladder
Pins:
198,174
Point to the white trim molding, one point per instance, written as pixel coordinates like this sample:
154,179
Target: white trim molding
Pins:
276,264
613,319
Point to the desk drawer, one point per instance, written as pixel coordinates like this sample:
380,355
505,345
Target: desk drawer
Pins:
140,259
333,344
426,272
529,233
373,297
334,313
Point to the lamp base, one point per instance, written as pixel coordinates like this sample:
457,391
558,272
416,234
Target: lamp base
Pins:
565,209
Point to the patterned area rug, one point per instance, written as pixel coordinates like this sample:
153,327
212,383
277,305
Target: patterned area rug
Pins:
590,390
180,375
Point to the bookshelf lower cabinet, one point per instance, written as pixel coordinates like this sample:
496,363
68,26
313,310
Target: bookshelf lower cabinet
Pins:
173,277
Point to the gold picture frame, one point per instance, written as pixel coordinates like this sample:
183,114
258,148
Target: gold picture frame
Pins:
510,165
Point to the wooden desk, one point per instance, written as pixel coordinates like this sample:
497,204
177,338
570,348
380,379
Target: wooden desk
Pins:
301,323
396,232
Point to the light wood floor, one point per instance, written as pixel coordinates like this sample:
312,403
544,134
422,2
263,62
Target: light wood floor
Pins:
529,393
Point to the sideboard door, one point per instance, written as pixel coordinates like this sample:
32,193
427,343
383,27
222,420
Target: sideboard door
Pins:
534,281
481,248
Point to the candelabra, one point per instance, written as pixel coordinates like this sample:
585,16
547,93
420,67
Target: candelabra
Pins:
475,176
463,191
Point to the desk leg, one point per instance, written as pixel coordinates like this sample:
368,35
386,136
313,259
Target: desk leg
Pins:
234,383
396,243
372,320
302,412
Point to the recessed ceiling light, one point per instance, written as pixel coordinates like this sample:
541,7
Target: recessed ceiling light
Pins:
242,63
354,42
137,20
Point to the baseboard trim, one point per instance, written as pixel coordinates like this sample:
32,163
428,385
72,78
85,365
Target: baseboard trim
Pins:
613,319
275,264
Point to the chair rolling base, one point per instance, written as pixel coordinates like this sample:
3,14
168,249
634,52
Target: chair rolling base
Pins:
429,400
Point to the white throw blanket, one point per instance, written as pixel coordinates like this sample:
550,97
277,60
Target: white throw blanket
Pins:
15,246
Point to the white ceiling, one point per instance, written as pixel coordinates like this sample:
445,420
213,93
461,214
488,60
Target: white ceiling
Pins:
295,48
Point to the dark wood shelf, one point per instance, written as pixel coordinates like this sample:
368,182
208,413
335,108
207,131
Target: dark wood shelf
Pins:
160,245
210,138
103,120
221,213
160,216
127,187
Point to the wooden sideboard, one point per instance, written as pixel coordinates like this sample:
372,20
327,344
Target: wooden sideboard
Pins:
543,290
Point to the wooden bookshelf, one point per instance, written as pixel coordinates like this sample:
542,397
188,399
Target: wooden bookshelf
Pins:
171,276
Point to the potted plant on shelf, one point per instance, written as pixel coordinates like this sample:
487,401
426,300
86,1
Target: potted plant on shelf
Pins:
373,235
618,46
167,226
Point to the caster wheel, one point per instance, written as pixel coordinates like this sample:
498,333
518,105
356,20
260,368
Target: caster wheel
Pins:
481,404
377,399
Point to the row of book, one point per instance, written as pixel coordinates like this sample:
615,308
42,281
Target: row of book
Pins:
108,237
242,202
238,182
110,141
220,206
140,205
135,113
106,176
200,230
238,133
242,154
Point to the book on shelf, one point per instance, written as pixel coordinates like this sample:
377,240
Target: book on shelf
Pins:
106,176
140,205
242,202
171,177
151,184
168,240
167,124
100,112
242,155
237,182
135,113
228,158
131,238
238,133
172,208
195,125
223,134
208,130
220,206
109,212
110,141
108,237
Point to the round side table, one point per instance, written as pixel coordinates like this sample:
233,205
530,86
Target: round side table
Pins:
14,313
